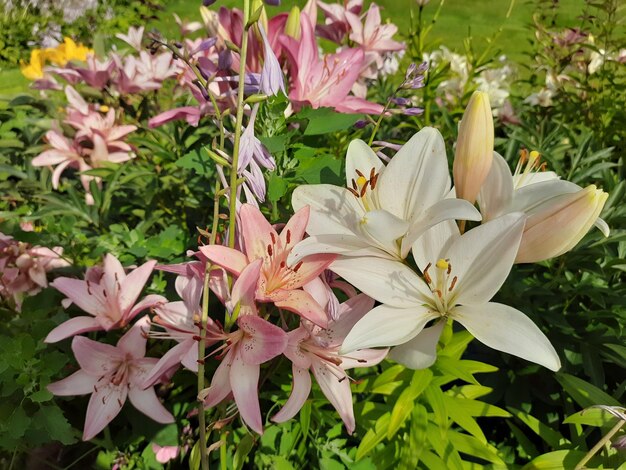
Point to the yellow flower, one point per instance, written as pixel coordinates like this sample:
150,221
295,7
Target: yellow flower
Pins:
67,51
34,69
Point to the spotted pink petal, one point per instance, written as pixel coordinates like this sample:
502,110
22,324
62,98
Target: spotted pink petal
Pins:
71,327
104,405
94,357
262,341
301,303
228,258
244,379
256,232
79,383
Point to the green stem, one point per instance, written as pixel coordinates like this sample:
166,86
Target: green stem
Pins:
238,125
600,444
379,120
223,457
204,456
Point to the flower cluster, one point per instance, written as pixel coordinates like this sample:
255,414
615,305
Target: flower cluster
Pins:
278,286
24,268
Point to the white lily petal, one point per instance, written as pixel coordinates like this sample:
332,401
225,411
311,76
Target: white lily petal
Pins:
482,257
529,197
361,157
506,329
421,351
446,209
334,210
384,228
389,282
603,227
348,245
416,177
496,192
387,326
434,243
522,180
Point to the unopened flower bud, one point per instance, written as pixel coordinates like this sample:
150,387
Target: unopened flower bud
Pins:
292,27
474,147
558,224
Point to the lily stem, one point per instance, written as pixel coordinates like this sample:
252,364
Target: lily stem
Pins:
606,438
204,456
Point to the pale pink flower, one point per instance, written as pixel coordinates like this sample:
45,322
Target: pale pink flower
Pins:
63,154
244,350
336,26
187,27
277,283
165,453
24,268
317,349
111,374
133,37
109,299
372,35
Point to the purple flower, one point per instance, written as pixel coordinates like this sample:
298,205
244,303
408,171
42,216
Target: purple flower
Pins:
272,80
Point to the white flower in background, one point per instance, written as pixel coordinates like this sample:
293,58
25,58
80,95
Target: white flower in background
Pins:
461,273
385,208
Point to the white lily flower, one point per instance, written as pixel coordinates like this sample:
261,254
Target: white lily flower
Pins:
385,209
559,212
461,273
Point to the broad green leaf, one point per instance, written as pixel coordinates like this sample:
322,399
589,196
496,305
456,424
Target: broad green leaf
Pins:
326,120
197,160
545,432
277,187
51,419
373,436
167,436
274,144
243,449
404,404
330,464
584,393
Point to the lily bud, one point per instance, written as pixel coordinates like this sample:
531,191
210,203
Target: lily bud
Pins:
474,147
558,224
292,27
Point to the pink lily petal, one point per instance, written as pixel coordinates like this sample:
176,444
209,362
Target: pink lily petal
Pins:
148,301
134,283
244,379
79,383
337,391
171,359
190,359
104,405
363,358
299,393
228,258
262,340
301,303
94,357
312,266
148,403
293,232
244,289
71,327
50,157
220,383
293,351
58,171
113,274
256,231
76,101
134,340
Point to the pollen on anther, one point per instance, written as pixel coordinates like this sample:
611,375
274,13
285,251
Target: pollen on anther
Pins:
453,283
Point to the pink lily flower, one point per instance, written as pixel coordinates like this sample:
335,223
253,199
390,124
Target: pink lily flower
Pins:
97,73
24,268
336,26
324,82
277,283
111,374
316,349
373,36
244,350
109,300
180,321
165,453
133,38
64,153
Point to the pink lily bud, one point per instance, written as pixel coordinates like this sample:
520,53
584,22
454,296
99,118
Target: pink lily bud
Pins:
557,225
474,147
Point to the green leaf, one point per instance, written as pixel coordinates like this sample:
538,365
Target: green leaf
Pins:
198,161
41,396
434,396
277,187
305,419
194,457
584,393
476,408
51,419
404,404
471,446
167,436
326,120
591,417
460,416
243,449
274,144
330,464
545,432
557,460
373,436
